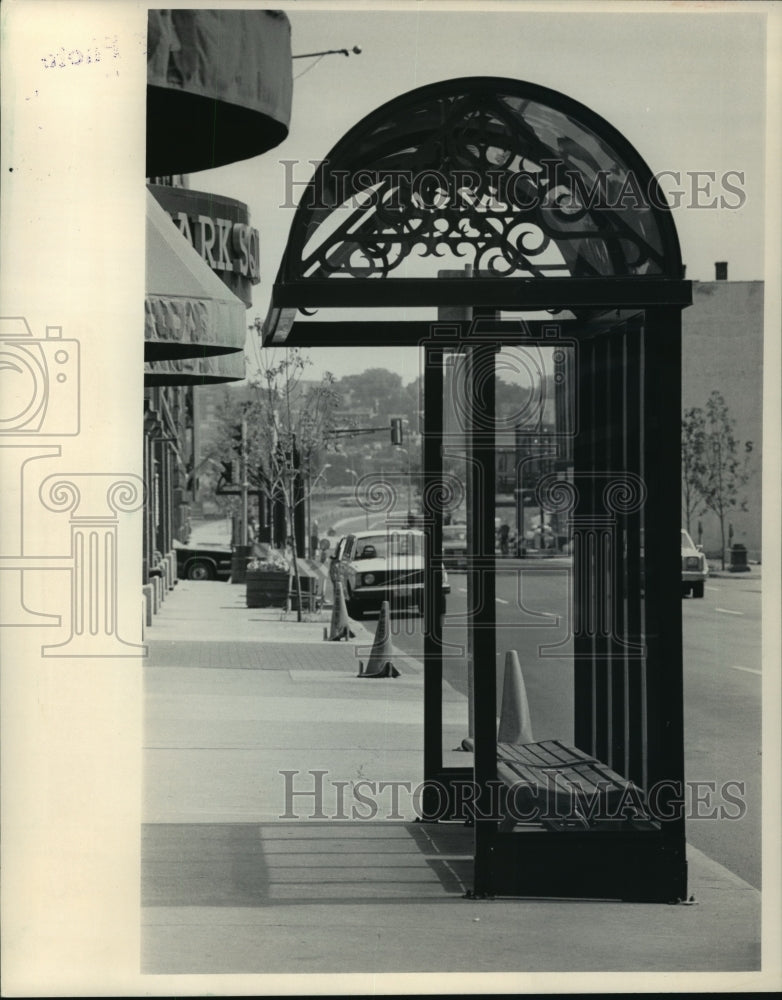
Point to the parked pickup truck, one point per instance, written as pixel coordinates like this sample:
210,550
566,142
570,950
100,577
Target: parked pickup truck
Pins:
203,562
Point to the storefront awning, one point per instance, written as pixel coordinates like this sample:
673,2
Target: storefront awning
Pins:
188,311
219,87
195,371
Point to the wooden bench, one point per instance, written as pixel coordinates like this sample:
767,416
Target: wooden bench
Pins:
564,788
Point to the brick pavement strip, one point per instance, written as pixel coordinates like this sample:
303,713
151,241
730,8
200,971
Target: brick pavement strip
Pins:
240,655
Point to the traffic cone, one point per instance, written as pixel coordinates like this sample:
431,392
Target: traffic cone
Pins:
380,664
340,623
515,725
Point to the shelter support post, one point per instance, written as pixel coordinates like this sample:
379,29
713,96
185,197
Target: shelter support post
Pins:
663,625
433,664
481,475
441,798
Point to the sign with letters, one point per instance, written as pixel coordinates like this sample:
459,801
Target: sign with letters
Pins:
219,229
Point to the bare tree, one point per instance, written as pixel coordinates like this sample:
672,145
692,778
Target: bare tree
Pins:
289,423
725,473
694,470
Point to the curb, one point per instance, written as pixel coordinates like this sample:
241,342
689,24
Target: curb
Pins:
753,573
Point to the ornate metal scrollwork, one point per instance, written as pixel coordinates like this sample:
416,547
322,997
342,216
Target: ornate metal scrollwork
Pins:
484,176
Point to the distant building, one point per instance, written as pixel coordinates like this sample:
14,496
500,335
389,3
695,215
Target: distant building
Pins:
722,348
357,417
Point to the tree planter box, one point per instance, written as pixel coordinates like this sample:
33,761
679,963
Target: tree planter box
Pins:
267,588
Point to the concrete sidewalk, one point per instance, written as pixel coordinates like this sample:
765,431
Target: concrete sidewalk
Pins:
258,734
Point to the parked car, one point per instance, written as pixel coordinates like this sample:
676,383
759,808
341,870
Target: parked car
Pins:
455,545
382,566
203,562
695,568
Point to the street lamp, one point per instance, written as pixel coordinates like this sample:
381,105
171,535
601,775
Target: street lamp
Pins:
356,50
321,473
317,56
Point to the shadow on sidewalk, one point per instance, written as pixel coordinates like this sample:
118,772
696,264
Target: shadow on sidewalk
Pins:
302,862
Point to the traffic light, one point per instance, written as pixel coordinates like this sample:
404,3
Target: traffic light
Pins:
397,435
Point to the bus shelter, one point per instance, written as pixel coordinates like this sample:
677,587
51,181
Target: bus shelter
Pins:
476,217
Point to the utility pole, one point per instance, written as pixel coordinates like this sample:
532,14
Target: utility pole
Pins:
519,490
409,482
245,485
397,439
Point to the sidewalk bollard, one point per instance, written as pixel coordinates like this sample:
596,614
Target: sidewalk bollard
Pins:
172,569
340,623
515,724
147,590
379,664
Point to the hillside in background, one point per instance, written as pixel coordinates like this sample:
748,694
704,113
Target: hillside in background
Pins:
371,399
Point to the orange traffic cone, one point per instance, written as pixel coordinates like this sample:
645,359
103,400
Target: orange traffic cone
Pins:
515,724
340,623
380,664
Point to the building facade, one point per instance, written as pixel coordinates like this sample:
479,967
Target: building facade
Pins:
219,90
722,349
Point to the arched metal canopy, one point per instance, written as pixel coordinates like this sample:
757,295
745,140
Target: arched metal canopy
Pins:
548,204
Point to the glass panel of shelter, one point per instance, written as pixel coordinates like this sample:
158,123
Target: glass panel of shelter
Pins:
529,544
565,550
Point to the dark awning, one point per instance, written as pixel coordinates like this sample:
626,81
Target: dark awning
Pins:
195,371
219,87
188,310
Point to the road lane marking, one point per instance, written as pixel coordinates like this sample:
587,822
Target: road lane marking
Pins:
712,588
727,611
462,590
747,670
499,600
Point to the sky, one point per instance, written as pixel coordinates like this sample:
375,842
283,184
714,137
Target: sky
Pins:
686,89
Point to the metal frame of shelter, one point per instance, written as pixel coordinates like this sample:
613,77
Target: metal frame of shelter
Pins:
567,240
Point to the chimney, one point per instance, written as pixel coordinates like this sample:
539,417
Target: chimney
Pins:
721,270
